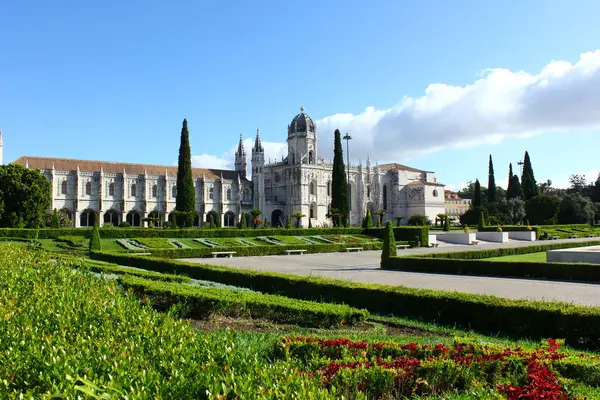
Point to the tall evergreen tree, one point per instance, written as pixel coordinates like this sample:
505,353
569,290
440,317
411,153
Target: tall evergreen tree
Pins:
513,191
491,192
339,184
516,187
509,189
528,183
596,191
477,198
186,193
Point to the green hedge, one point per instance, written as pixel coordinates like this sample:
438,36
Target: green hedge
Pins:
267,250
108,268
200,302
578,325
507,251
404,233
512,228
130,233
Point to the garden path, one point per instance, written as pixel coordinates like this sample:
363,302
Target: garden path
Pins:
364,267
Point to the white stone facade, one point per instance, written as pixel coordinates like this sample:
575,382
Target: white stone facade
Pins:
301,182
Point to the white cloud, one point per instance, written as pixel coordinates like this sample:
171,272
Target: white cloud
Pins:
273,151
498,105
562,181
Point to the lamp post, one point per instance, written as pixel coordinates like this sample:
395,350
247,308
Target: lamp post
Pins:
347,138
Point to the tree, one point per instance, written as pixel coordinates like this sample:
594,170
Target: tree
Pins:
25,197
212,225
509,189
95,242
545,187
528,184
243,223
255,217
419,220
55,220
288,222
339,184
398,220
368,221
596,191
575,209
298,217
389,243
381,213
481,220
578,183
185,201
515,210
477,198
446,223
491,192
542,209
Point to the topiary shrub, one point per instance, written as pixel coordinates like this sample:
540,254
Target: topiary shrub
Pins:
288,222
243,223
55,220
389,243
446,224
368,220
481,220
95,243
419,220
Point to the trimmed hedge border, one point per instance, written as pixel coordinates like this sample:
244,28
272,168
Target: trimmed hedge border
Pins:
201,302
404,233
578,325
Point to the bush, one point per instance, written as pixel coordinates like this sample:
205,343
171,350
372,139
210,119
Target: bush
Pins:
404,234
124,224
201,302
389,244
74,241
55,224
95,243
419,220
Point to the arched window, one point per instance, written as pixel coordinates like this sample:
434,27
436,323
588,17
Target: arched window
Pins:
385,205
111,189
155,191
369,191
328,188
133,190
63,187
313,211
211,193
229,219
174,192
88,188
313,188
228,193
311,157
246,195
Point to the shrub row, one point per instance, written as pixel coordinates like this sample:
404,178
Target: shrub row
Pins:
200,302
102,267
129,233
514,269
508,251
404,233
267,250
578,325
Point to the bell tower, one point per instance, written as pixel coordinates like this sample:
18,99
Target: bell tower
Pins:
258,177
302,140
241,163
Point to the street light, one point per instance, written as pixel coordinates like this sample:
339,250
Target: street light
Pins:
347,138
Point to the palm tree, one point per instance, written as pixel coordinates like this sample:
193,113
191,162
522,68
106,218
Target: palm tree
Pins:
298,217
398,219
381,213
334,214
255,220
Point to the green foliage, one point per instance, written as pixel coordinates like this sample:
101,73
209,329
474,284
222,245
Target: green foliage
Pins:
579,325
55,220
255,217
542,209
595,195
126,224
389,244
481,220
446,223
310,223
477,197
491,192
186,192
243,222
213,224
398,220
298,215
513,190
288,222
24,197
155,243
199,302
95,242
266,223
419,220
528,183
575,209
74,241
339,183
108,268
368,221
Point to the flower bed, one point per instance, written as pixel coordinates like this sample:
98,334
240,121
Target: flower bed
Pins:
383,370
131,244
155,243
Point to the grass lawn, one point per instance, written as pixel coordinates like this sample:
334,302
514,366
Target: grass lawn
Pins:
532,257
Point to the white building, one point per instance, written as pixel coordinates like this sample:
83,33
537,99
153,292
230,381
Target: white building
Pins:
301,182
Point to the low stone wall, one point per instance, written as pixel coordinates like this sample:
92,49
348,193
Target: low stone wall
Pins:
522,235
498,237
589,254
457,238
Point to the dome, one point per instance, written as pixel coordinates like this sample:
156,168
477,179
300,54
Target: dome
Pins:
301,123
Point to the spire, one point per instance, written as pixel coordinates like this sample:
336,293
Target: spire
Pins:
302,109
240,150
257,144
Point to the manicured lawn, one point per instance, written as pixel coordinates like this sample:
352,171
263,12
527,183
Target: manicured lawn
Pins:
532,257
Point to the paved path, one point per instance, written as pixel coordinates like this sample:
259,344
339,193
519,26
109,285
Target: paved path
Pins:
364,267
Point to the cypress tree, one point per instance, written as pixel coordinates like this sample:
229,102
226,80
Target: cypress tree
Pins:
596,191
310,223
266,223
481,220
186,193
339,184
491,192
368,220
528,183
509,189
447,223
516,187
55,220
213,225
95,243
389,243
243,223
477,199
288,222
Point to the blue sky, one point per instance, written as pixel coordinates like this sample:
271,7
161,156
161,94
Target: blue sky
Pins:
113,81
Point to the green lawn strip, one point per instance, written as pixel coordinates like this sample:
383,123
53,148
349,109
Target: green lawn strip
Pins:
531,257
200,302
288,239
111,245
486,314
155,243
